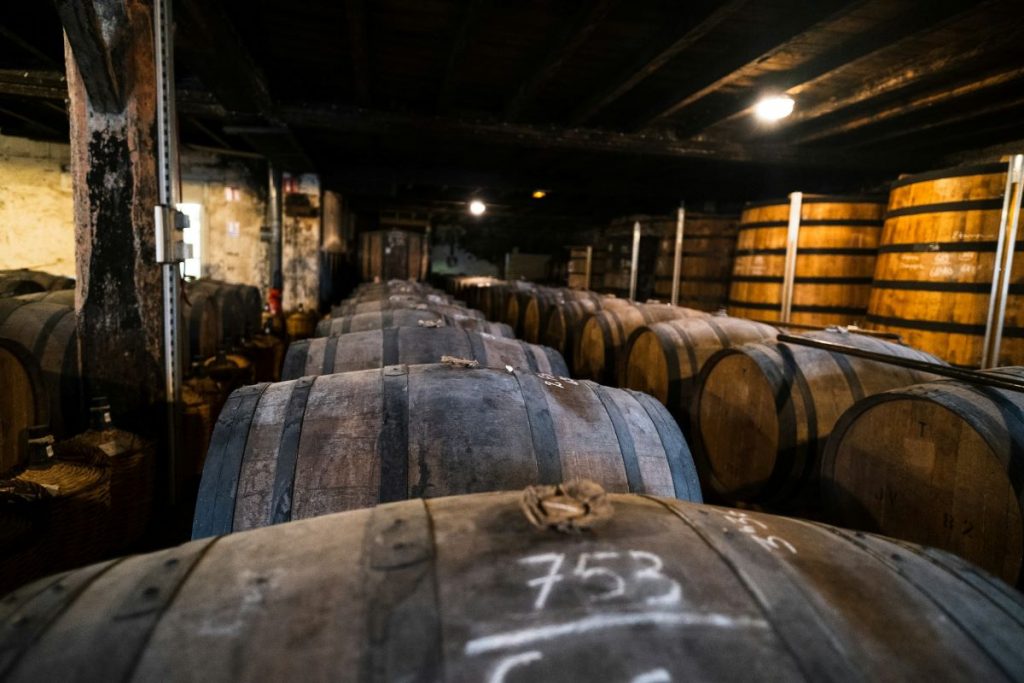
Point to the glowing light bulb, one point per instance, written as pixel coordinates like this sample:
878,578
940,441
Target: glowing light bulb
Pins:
774,107
477,207
539,194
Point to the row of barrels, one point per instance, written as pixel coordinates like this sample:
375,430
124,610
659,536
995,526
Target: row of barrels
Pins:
790,428
564,580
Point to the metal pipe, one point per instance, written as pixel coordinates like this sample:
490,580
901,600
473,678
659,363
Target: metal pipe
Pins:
1003,268
634,261
274,209
169,194
586,267
677,258
851,328
987,379
796,200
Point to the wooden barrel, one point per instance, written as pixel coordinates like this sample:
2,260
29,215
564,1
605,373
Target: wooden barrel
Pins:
230,306
203,325
13,286
25,281
515,305
604,335
465,589
706,266
933,279
403,302
836,251
406,317
65,297
665,358
761,412
252,302
415,346
49,334
386,254
940,463
355,439
23,402
541,305
565,322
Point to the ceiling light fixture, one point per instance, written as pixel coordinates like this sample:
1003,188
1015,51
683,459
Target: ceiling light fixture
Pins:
774,107
477,207
539,194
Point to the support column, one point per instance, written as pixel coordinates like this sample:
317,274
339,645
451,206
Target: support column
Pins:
112,91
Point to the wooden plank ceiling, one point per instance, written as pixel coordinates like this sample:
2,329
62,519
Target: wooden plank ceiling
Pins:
612,105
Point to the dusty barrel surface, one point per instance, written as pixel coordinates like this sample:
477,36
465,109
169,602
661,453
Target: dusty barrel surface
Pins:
836,250
49,334
464,589
415,346
399,302
761,412
23,281
565,322
665,358
706,265
541,306
24,402
940,463
933,279
604,334
202,321
230,305
407,317
350,440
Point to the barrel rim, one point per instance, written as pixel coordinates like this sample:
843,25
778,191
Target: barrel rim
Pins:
821,199
961,171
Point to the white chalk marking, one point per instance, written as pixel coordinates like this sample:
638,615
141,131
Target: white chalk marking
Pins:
602,622
508,663
655,676
548,581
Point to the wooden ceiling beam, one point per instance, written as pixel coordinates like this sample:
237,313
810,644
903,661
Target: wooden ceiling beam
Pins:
652,61
45,85
471,11
84,27
870,43
735,57
910,105
576,31
351,120
359,50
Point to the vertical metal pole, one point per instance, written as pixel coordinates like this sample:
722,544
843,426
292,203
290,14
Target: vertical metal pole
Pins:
169,193
586,267
276,242
634,261
1003,268
796,200
425,258
677,259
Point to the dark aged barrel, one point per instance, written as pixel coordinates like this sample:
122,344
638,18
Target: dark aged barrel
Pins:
252,301
350,440
836,251
230,306
64,297
386,254
708,245
23,402
48,333
761,412
604,335
541,306
933,279
939,463
13,286
465,589
665,358
24,281
565,322
415,346
202,320
406,317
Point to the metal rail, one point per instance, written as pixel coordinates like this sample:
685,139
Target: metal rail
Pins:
634,261
677,258
796,201
1003,269
988,379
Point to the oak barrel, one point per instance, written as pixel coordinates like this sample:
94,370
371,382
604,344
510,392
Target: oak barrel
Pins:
604,334
397,302
465,589
415,346
387,254
940,463
836,250
665,358
350,440
565,322
230,305
49,334
406,317
761,412
24,402
933,279
706,265
65,297
541,306
203,326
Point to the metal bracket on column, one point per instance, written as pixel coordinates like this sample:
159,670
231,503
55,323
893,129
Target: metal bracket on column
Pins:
167,225
1003,268
796,200
586,267
677,258
170,225
634,261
